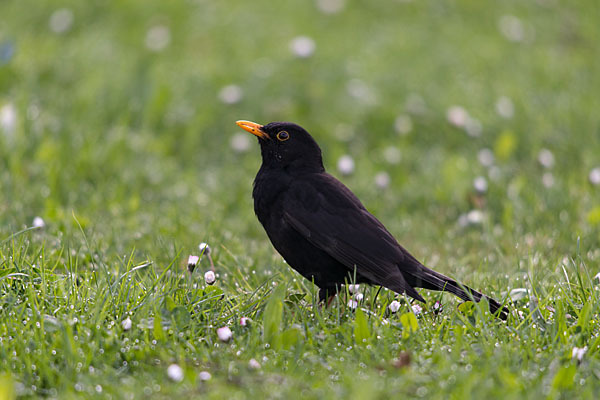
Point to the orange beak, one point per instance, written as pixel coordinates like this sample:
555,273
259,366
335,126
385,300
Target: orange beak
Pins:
253,128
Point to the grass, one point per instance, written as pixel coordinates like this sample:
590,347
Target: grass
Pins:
124,149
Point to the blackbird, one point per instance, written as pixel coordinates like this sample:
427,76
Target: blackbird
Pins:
322,229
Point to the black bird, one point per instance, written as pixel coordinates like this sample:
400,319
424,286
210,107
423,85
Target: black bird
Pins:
321,228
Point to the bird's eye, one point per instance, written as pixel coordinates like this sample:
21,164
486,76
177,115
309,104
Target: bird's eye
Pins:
283,136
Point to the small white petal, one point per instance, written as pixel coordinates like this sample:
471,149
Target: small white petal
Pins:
126,324
480,184
302,46
204,376
224,334
353,288
361,91
475,217
345,165
8,118
193,260
209,277
594,176
382,180
352,304
38,222
240,143
548,179
486,157
546,158
505,107
253,364
175,373
578,352
392,154
394,306
61,20
403,124
457,116
231,94
417,309
473,127
512,28
358,297
330,6
158,38
245,321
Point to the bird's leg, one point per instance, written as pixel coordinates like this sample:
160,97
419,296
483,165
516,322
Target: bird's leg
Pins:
325,297
330,300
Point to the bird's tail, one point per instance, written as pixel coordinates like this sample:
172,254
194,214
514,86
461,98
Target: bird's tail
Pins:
429,279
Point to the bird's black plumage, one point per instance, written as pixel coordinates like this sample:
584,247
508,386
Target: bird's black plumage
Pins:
322,229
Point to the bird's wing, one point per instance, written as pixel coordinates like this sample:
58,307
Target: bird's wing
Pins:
329,215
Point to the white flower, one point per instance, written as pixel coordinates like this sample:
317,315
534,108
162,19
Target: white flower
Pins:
204,249
417,309
473,127
594,176
231,94
546,158
253,364
209,277
245,321
392,154
505,107
358,297
394,306
512,28
578,352
403,124
38,222
548,179
480,184
353,288
457,116
126,324
61,20
8,118
475,217
382,180
224,334
361,91
193,260
330,6
345,165
240,143
158,38
353,304
302,46
204,376
486,157
175,373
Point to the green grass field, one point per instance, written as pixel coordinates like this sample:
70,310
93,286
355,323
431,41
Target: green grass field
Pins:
475,132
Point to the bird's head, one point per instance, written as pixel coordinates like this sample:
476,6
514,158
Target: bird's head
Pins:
286,145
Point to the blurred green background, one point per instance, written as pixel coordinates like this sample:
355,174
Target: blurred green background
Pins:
473,128
122,112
